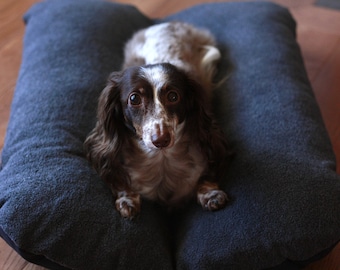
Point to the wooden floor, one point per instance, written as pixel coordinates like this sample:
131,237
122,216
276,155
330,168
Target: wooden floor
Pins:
318,35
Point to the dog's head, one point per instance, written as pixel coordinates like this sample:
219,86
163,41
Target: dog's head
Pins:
157,105
153,101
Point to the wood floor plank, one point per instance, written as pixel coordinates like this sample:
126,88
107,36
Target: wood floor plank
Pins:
330,262
9,259
160,9
326,20
31,266
11,13
10,55
315,51
292,4
327,90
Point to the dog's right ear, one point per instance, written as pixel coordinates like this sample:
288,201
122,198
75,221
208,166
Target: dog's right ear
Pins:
104,143
110,113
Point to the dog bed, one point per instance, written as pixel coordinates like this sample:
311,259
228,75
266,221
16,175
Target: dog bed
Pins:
54,209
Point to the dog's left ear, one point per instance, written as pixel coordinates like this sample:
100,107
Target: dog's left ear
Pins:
204,128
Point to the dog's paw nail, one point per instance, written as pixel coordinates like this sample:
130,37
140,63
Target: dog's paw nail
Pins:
127,211
214,200
127,208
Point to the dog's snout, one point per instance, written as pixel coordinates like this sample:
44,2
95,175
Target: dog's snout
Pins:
161,140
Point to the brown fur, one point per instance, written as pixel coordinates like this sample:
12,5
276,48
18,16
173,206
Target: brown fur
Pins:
156,137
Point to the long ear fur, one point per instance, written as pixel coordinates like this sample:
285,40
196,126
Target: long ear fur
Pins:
205,130
104,143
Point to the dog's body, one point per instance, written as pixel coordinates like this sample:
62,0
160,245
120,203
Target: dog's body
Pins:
155,136
189,49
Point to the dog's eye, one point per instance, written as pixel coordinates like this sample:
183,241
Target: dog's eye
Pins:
135,99
173,97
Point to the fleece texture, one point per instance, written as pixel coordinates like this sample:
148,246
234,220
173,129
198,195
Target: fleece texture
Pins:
56,211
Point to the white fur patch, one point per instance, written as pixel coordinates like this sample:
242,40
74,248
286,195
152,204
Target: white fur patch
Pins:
158,120
156,75
188,48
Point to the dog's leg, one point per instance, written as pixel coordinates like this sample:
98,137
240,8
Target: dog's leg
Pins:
128,204
210,196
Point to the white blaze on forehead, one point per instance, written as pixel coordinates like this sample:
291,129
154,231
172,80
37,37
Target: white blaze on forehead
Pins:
155,121
157,77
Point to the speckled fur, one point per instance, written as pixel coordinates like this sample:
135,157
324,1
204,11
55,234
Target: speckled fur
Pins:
151,146
189,48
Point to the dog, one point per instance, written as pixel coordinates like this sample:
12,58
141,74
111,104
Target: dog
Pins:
155,136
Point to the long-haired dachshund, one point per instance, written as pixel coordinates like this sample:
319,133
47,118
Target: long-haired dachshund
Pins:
155,135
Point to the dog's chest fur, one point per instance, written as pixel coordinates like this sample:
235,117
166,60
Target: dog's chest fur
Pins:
168,175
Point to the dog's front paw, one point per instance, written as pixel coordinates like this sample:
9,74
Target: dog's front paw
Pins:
128,205
210,197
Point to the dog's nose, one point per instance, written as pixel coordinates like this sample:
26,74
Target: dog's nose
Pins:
161,140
